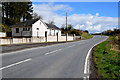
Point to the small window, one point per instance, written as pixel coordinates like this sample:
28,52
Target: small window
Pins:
28,29
17,30
40,23
23,29
37,28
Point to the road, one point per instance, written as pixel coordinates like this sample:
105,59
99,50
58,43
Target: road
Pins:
65,60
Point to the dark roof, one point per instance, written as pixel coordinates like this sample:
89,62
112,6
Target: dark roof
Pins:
26,23
30,22
50,26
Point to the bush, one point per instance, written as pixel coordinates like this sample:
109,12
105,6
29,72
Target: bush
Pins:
116,42
4,28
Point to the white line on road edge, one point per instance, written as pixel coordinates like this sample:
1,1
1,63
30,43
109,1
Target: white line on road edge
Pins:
86,66
15,64
52,51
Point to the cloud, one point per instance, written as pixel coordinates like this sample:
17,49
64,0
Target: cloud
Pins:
92,23
97,14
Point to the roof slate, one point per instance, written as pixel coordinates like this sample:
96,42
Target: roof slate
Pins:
25,23
30,22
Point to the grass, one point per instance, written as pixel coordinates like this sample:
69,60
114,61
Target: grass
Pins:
107,60
86,36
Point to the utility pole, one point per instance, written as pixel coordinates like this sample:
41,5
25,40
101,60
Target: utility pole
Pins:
79,27
66,26
66,21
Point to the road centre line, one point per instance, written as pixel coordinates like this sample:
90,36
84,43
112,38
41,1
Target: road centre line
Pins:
53,51
71,46
15,64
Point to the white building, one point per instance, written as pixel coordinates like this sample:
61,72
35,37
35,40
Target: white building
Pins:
34,28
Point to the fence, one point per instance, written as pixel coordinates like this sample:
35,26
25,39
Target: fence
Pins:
35,40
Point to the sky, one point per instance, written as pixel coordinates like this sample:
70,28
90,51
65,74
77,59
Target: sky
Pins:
92,16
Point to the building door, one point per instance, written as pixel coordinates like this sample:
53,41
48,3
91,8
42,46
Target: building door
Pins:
37,34
46,35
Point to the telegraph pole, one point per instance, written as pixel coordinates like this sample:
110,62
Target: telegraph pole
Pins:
79,27
66,21
66,26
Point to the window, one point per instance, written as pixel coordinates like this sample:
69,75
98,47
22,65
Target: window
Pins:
17,30
37,28
26,29
23,29
40,23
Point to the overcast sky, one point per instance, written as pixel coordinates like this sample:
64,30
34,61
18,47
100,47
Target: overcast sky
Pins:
91,16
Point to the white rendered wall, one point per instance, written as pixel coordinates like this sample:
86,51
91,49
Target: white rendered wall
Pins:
42,28
2,34
52,32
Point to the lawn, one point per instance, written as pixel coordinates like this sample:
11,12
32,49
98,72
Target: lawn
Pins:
107,60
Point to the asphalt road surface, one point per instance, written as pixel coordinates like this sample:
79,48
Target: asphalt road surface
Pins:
65,60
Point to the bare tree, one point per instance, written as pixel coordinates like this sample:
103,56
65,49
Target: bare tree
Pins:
51,22
35,15
70,27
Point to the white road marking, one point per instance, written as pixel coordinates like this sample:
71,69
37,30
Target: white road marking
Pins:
28,49
71,46
15,64
86,66
52,51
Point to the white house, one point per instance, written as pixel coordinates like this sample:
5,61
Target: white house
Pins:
34,28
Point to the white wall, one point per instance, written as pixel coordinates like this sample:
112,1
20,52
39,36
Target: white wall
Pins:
42,28
59,32
52,32
35,40
2,34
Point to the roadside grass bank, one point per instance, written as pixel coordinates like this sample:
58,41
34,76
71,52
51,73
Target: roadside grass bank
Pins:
86,36
106,59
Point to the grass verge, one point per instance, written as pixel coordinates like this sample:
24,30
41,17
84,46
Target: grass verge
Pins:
86,36
107,60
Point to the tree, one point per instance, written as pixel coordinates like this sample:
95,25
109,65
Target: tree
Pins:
63,29
4,28
0,13
51,22
13,12
35,15
70,27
